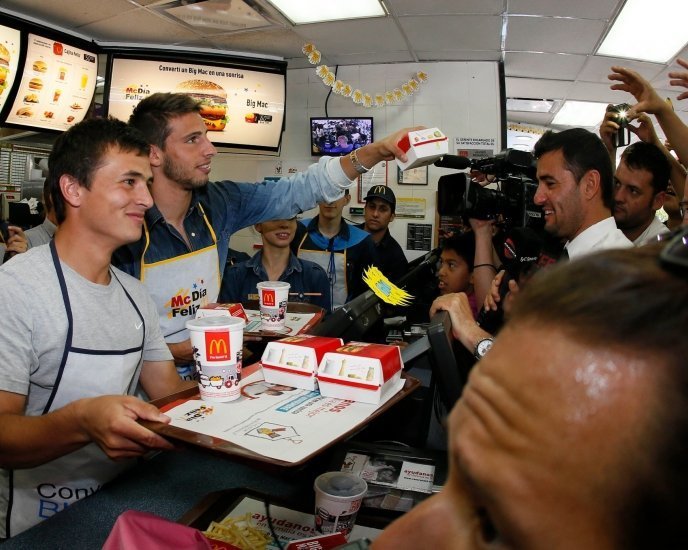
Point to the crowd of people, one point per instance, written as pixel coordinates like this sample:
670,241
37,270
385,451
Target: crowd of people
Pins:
568,433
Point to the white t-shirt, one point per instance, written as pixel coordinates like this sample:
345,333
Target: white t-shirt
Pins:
33,322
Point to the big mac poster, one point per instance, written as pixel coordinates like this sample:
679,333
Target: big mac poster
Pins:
9,57
57,85
240,107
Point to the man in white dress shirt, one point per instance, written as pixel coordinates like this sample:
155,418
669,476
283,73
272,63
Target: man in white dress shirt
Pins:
576,191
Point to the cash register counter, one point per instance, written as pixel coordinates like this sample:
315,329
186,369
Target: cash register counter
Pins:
169,484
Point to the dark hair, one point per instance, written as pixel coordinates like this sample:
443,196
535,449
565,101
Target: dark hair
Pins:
624,299
151,115
647,156
78,152
583,151
464,246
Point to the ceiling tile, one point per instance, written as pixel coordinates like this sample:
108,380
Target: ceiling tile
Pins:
278,42
131,26
453,32
413,7
543,65
587,9
362,37
459,55
598,67
537,88
549,34
71,13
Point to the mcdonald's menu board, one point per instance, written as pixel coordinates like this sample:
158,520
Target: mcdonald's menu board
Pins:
10,44
240,107
57,85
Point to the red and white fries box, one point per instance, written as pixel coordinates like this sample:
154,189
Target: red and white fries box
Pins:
423,147
293,361
360,372
217,310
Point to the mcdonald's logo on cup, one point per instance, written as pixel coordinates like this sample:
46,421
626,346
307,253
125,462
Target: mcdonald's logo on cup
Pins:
217,346
268,297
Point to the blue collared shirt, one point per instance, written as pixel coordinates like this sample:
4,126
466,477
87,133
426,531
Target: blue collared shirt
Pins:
231,206
240,280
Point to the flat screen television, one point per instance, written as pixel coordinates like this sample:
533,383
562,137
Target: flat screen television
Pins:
10,52
57,82
242,100
339,136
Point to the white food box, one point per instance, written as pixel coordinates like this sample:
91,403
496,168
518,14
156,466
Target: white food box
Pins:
360,371
423,147
293,361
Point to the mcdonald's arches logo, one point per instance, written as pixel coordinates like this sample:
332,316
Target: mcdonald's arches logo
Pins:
217,346
268,297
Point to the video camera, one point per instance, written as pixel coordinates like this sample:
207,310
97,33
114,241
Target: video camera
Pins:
511,205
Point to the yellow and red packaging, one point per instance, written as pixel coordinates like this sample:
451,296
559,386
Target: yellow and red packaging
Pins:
423,147
293,361
216,310
360,371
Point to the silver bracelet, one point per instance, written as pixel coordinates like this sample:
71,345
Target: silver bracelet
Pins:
353,157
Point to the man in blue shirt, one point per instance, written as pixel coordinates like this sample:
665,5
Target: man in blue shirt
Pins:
276,262
344,251
185,241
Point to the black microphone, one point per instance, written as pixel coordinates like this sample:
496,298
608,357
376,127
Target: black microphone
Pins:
453,161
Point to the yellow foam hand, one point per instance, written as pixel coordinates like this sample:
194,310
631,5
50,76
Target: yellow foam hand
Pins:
384,288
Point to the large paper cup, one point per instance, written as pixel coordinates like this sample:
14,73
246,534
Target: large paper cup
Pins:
273,296
338,497
217,344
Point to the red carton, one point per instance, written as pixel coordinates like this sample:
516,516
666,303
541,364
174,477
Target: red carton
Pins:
360,372
323,542
216,310
293,361
422,147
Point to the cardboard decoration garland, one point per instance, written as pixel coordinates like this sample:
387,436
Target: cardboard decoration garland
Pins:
358,96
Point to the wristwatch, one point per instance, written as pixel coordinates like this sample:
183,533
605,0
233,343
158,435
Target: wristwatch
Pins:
482,347
353,157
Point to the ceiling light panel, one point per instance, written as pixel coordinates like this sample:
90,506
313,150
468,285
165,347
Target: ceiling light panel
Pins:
585,114
648,32
301,12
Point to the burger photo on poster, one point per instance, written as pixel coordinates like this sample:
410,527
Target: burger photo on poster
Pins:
4,66
40,66
36,84
213,100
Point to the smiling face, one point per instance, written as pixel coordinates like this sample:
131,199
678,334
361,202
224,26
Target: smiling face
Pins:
537,459
188,152
112,208
277,233
560,196
635,200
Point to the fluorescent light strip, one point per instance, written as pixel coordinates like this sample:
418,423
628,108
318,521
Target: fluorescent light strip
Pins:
648,32
301,12
584,114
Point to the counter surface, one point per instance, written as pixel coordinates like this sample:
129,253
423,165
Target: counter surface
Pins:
169,484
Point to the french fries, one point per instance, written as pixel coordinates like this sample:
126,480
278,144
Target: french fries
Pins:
238,531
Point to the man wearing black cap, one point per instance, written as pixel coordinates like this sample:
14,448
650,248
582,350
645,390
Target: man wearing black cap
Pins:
379,213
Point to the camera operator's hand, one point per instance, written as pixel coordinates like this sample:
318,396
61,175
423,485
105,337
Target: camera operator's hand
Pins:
680,78
608,130
493,299
464,327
